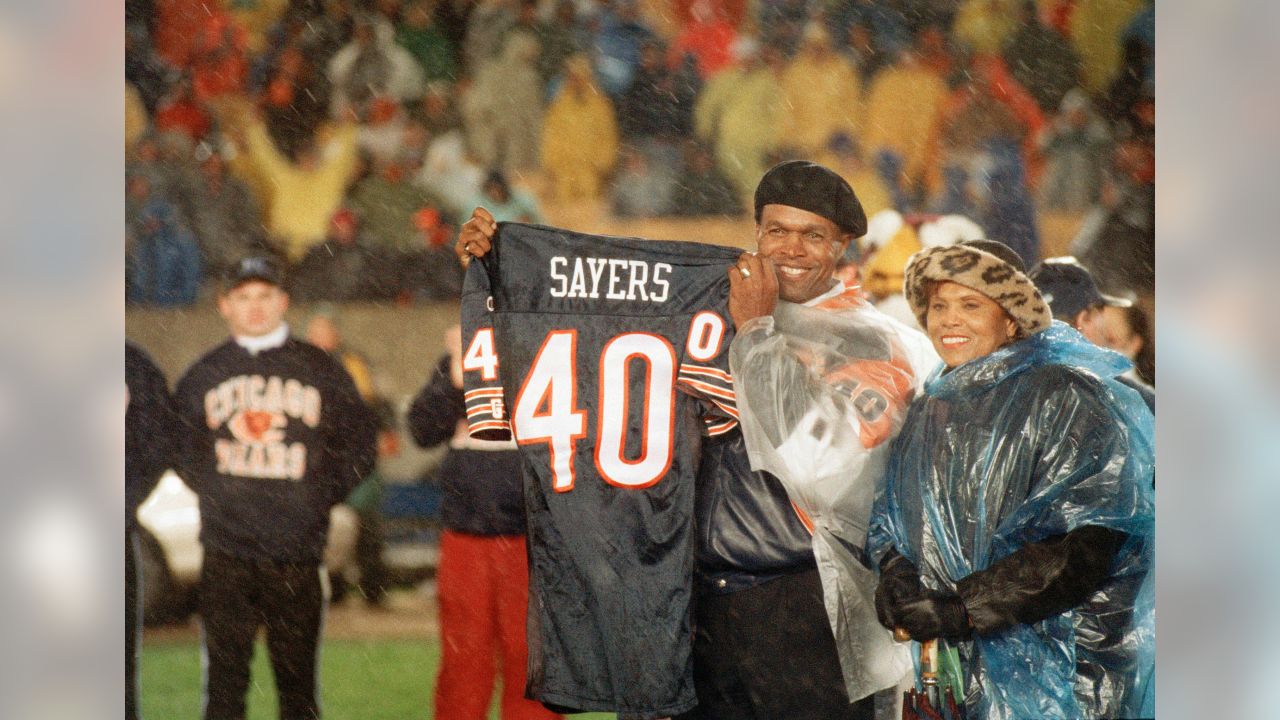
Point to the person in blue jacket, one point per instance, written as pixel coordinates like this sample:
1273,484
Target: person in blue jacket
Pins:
1016,519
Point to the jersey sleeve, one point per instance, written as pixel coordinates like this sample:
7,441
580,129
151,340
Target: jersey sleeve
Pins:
821,394
704,373
481,378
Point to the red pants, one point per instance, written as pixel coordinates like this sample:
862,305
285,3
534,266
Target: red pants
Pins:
483,587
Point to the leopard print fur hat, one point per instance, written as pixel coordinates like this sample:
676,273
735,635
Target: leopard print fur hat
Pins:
987,266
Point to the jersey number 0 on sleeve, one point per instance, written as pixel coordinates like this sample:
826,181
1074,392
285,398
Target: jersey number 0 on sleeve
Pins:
547,410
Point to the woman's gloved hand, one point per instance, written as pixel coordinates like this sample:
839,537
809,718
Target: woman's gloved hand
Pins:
899,582
932,615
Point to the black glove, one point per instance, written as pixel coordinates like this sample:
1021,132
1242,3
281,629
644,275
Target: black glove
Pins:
934,614
1040,579
899,582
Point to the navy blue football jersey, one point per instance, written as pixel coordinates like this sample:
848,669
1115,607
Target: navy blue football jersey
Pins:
607,360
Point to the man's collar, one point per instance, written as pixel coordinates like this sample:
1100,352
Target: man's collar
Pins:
273,339
835,290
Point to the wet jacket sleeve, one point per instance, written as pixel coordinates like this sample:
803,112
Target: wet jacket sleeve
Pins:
436,409
151,427
1041,579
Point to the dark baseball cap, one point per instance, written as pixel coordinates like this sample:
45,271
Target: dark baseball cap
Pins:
254,268
810,186
1069,287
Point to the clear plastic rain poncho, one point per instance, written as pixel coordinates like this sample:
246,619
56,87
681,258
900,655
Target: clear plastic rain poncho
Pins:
821,391
1033,440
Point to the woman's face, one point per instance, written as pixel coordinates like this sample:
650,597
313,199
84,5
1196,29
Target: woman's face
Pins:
964,324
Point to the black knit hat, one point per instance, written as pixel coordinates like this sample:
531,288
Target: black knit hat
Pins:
809,186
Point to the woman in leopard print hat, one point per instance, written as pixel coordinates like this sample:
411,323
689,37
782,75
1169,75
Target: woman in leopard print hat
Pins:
1016,517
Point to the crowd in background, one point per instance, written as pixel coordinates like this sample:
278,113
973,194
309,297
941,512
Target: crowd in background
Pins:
350,138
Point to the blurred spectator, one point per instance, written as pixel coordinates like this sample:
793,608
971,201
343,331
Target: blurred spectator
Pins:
136,120
872,32
503,109
984,175
145,69
505,203
451,17
935,49
419,34
1041,59
218,62
177,26
366,499
372,65
903,108
659,103
344,267
989,81
1129,333
1134,82
181,111
708,37
483,577
641,187
300,193
452,173
295,101
1117,239
617,45
1074,298
1075,146
984,26
386,131
580,137
329,30
1095,32
486,29
701,189
224,215
739,112
386,200
147,159
438,111
431,272
257,17
140,14
822,93
162,260
563,36
781,23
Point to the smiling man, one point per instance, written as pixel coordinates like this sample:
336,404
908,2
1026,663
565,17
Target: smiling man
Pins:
764,645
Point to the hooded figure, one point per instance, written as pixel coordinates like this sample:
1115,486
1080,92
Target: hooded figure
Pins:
1016,520
373,65
580,145
502,112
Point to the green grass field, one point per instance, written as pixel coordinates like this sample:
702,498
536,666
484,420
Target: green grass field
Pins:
360,680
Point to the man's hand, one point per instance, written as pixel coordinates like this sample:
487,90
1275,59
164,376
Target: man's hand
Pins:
476,237
753,288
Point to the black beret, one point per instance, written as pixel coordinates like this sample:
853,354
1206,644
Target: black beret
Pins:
809,186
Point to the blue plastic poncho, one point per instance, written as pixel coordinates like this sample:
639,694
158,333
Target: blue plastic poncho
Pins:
1033,440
